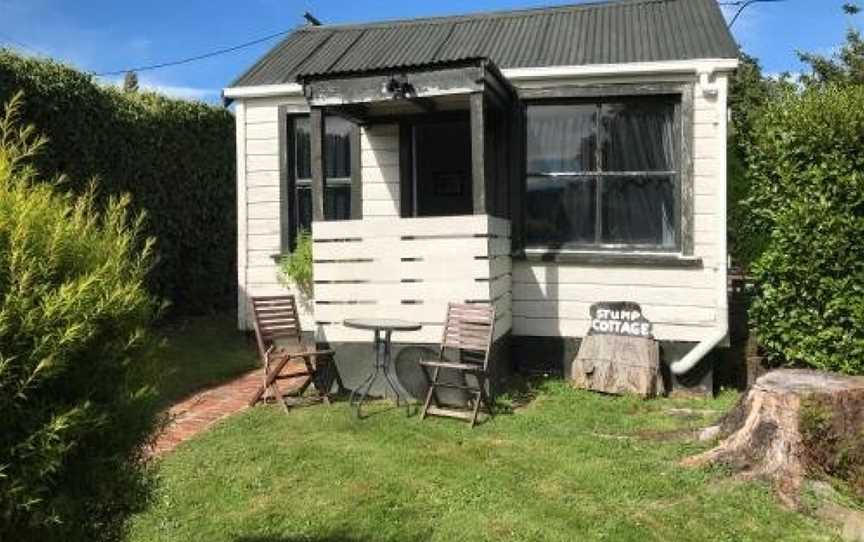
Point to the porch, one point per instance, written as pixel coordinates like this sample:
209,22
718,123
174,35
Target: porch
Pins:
435,156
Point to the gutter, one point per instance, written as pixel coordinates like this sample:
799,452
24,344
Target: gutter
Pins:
708,66
696,66
229,94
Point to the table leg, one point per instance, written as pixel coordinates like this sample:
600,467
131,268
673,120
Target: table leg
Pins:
383,366
387,370
367,384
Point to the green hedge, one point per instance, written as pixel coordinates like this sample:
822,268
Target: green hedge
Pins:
806,169
176,158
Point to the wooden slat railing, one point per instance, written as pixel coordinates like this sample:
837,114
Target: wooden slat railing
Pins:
409,268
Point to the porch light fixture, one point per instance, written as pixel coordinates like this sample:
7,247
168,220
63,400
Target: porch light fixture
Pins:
398,88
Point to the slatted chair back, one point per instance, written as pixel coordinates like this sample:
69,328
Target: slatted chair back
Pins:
276,318
468,329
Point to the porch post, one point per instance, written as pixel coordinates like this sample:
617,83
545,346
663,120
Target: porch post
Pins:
478,152
317,133
356,174
517,181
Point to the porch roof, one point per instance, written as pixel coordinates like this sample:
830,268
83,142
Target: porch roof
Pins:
618,31
418,85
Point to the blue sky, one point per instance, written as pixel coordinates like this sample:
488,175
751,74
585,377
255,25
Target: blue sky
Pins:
106,35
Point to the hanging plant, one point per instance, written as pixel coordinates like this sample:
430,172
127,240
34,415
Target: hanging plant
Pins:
295,268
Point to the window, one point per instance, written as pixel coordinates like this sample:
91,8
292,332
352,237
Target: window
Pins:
602,175
337,158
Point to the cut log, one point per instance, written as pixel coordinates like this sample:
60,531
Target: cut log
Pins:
769,434
617,364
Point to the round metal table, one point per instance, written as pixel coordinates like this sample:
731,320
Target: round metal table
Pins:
383,328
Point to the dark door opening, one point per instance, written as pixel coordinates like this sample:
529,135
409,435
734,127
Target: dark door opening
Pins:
442,168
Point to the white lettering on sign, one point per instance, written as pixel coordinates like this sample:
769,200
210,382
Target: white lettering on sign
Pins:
619,318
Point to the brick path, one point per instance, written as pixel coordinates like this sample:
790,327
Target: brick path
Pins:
200,411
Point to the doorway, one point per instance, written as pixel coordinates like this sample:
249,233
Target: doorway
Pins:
442,168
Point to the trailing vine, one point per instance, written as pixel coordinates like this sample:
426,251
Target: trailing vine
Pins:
295,268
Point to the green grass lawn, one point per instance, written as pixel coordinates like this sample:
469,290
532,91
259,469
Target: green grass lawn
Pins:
570,465
199,352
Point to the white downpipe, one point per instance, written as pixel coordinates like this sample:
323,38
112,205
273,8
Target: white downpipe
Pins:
719,333
694,356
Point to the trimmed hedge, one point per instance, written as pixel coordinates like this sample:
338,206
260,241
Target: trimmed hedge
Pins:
806,169
176,158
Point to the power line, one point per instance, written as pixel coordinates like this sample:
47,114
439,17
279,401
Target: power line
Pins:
742,5
23,45
195,58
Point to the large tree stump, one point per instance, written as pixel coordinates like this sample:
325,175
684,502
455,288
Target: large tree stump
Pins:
616,364
766,434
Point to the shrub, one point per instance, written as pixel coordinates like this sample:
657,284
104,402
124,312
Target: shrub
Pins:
176,158
73,314
806,169
295,268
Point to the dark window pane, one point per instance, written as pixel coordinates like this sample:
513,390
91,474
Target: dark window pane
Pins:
638,211
337,205
337,202
302,149
561,138
338,147
337,198
304,208
560,211
637,136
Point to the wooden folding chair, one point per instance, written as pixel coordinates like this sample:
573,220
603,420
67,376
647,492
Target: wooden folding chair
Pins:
468,332
276,319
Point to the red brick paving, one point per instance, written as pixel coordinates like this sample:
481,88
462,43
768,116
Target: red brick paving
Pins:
200,411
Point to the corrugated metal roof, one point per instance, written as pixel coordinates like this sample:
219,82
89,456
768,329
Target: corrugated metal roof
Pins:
598,33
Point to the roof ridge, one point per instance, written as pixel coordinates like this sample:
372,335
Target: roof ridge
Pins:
479,15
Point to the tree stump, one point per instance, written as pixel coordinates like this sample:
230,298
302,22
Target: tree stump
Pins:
769,432
617,364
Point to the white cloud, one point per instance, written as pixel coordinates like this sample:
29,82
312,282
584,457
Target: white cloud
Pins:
140,44
829,51
791,75
180,91
174,91
40,29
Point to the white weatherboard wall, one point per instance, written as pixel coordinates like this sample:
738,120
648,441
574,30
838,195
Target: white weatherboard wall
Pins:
553,299
548,299
260,172
379,158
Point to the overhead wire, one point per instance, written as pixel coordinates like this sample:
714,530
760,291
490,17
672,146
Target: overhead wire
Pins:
9,39
217,52
742,5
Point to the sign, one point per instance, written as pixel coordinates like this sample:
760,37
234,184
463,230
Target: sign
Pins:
622,318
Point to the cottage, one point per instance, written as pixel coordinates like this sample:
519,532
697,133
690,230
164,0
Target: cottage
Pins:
541,160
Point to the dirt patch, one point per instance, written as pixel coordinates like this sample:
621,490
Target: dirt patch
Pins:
667,435
690,413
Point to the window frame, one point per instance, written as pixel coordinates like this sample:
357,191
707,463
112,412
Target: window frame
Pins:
291,184
682,97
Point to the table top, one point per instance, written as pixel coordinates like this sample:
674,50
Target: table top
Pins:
392,324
